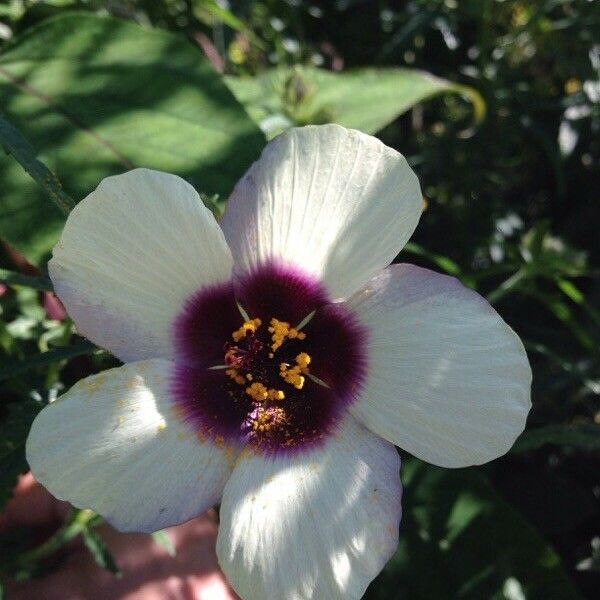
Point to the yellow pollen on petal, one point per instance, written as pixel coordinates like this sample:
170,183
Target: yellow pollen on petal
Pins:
248,327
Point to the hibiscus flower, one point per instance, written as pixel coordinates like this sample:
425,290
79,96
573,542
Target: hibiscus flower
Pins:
272,363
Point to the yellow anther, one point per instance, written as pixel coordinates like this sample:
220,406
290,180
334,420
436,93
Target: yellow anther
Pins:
292,375
235,376
248,327
280,331
275,394
257,391
303,360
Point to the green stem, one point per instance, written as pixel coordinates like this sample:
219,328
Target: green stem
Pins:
80,521
507,286
14,143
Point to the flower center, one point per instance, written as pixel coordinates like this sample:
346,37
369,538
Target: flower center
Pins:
278,380
260,365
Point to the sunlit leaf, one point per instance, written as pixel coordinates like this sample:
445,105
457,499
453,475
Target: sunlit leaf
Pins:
97,96
367,99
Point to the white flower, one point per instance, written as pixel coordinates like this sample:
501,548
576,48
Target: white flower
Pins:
245,383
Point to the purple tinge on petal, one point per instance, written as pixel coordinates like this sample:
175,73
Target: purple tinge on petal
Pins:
280,291
299,413
205,324
203,399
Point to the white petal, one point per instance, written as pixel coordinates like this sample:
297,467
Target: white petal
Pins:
114,443
316,525
448,379
130,255
336,202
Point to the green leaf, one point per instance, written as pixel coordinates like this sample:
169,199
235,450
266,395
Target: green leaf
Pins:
456,526
163,538
583,436
46,358
564,313
201,8
99,551
15,144
443,262
97,96
367,99
14,429
37,283
212,7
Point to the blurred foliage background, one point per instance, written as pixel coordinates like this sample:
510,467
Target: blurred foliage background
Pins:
495,103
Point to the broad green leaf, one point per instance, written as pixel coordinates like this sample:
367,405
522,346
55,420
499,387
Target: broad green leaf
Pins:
97,96
460,539
367,99
582,436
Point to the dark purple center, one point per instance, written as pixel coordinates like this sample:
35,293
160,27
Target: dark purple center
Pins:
279,379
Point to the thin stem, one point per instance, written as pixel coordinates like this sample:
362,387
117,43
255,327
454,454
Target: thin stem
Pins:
80,520
507,286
